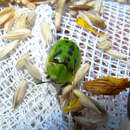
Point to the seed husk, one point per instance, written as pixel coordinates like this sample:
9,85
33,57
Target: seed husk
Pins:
17,34
8,49
21,62
33,70
80,74
19,93
46,32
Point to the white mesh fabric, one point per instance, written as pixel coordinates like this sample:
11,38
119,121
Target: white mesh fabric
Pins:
40,108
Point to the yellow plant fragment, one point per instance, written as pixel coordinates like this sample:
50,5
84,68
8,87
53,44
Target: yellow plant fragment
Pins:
82,23
73,104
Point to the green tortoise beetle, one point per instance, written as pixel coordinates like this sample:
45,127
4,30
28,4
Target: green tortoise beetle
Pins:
63,61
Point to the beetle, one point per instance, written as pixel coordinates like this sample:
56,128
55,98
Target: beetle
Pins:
63,61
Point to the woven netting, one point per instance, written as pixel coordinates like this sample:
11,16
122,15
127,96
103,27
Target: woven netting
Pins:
40,108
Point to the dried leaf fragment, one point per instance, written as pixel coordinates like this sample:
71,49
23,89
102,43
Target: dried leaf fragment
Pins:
80,7
17,34
33,70
8,48
21,62
19,93
46,32
107,85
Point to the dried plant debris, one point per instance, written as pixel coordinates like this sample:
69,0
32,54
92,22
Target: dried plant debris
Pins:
92,18
107,85
104,42
19,93
58,12
123,1
9,25
30,19
32,70
80,74
96,113
5,17
8,49
80,7
31,4
21,62
16,22
24,62
17,34
90,11
46,32
116,53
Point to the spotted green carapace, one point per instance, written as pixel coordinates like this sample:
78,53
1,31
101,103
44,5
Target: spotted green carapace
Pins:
63,61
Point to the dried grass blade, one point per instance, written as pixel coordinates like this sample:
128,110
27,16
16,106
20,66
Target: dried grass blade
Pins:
19,93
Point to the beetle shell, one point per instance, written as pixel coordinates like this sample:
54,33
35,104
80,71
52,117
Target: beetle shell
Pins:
63,61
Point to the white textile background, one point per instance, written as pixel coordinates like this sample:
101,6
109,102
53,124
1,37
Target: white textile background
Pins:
40,108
